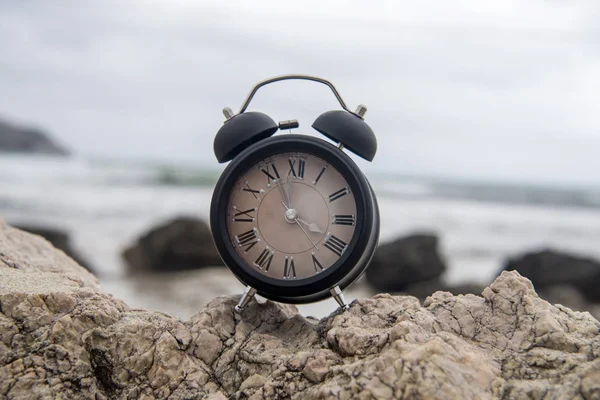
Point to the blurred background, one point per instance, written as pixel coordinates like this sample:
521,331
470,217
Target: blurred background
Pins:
486,113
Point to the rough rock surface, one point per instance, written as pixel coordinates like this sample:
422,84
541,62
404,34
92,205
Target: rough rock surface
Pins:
548,268
27,140
404,262
180,244
60,337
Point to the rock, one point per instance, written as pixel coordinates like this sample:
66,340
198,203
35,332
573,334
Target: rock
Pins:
569,296
404,262
59,239
424,289
20,139
180,244
548,268
61,337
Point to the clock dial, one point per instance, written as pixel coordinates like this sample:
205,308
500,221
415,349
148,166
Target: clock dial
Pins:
291,216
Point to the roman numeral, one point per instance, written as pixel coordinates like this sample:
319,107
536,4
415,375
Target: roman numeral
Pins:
336,195
247,239
264,259
320,174
270,177
335,244
300,173
244,216
343,219
249,189
316,264
289,268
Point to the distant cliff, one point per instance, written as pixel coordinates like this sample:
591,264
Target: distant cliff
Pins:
22,139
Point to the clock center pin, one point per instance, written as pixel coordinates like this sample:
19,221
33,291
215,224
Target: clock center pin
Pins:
290,215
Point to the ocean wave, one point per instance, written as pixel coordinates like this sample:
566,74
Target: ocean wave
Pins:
567,197
414,189
28,171
24,170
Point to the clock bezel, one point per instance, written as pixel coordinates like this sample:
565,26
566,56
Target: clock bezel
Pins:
360,248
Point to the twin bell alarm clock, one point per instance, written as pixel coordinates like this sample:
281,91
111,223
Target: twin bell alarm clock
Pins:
292,216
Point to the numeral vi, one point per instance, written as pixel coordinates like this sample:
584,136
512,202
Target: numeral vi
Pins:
289,268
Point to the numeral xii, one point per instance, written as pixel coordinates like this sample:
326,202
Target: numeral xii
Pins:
299,173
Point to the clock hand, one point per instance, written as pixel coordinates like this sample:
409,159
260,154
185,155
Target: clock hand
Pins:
311,226
303,230
286,201
313,243
288,184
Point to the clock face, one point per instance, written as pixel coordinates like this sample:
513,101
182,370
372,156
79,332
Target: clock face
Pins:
291,216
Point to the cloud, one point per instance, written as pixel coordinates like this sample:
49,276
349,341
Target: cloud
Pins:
504,90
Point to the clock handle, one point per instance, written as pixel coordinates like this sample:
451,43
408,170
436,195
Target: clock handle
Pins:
300,77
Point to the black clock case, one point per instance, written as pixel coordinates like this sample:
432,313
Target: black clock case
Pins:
343,272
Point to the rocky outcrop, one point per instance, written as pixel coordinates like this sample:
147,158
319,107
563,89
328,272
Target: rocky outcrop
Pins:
180,244
59,239
404,262
19,139
548,268
61,337
424,289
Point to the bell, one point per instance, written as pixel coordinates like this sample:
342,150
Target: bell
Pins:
240,131
350,130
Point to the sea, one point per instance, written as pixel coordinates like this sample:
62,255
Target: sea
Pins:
105,205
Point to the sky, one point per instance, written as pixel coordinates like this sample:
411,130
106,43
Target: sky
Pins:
486,90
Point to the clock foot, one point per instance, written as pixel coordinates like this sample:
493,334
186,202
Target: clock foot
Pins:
246,297
337,294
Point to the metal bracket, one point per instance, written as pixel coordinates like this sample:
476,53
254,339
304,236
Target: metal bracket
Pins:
337,294
288,125
246,297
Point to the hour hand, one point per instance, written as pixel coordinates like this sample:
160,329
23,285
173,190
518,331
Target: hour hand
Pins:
311,226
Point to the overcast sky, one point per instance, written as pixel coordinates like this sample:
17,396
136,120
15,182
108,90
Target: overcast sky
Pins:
506,90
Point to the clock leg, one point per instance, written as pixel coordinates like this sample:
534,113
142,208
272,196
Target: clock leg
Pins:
246,297
337,294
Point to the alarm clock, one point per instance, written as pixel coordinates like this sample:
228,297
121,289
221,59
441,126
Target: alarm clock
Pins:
292,216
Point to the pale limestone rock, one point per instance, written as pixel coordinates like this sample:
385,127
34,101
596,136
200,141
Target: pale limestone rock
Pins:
60,337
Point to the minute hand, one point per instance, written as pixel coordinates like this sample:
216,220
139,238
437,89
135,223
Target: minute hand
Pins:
307,235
